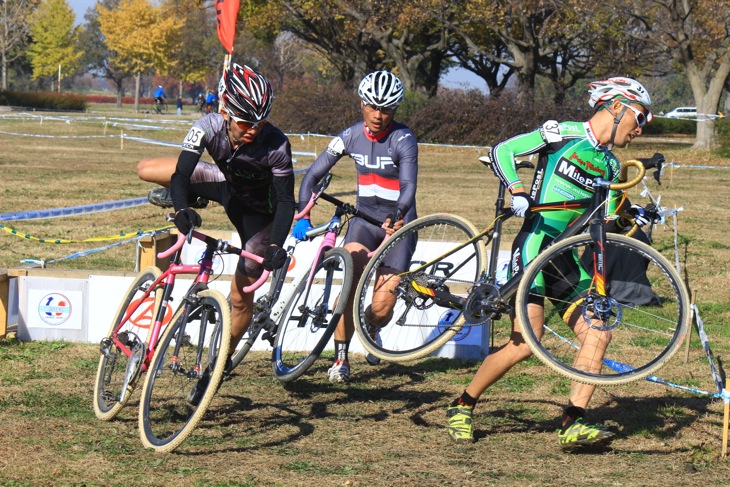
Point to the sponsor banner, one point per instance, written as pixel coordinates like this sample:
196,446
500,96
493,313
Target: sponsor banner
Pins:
55,310
52,308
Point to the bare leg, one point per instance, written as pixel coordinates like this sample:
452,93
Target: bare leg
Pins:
157,170
593,344
379,313
346,326
241,308
498,363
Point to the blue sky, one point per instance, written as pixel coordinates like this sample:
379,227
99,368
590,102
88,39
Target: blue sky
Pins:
80,7
455,78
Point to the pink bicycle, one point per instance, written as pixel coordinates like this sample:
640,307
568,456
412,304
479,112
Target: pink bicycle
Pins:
183,355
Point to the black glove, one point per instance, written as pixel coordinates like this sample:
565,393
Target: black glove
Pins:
521,204
274,257
186,219
656,162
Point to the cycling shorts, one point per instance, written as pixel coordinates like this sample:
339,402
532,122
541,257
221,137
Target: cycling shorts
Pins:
254,228
372,236
560,290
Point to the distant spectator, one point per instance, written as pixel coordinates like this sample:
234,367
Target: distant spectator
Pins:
160,95
211,102
179,105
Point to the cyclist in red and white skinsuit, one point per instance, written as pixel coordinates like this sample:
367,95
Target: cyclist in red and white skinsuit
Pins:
385,154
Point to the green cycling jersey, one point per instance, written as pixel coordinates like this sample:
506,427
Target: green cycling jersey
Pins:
570,157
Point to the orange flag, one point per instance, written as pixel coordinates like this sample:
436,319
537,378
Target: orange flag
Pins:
227,12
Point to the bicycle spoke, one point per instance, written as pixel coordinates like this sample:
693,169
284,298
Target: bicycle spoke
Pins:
621,335
118,372
410,322
185,373
311,316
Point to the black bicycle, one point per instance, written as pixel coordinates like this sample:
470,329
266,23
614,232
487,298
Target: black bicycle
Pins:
564,300
159,106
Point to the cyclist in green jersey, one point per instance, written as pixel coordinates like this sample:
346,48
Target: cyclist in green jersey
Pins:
570,156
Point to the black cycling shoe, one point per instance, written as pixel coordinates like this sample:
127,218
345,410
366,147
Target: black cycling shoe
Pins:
161,197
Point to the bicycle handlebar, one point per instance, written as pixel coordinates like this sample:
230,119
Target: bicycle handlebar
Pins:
222,246
346,207
623,184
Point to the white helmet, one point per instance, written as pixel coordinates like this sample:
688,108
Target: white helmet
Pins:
382,89
606,90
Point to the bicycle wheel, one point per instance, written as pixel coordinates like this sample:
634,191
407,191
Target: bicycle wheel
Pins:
114,364
311,315
419,324
185,372
640,320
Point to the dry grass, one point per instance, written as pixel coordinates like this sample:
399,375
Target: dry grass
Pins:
388,426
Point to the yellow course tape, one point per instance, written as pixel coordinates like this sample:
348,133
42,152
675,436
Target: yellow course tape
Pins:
26,236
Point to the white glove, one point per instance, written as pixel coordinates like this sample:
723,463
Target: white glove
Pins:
643,216
521,204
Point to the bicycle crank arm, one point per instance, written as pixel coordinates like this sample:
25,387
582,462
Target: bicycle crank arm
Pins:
442,298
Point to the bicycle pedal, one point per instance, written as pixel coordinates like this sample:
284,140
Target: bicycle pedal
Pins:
270,336
105,347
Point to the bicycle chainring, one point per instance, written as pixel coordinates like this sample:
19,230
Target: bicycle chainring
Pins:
483,303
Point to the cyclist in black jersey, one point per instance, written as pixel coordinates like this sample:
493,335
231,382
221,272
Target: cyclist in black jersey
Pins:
570,155
385,154
252,179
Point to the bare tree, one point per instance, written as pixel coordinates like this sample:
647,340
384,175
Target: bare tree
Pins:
15,19
697,35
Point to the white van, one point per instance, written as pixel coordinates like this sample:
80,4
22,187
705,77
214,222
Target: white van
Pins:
683,112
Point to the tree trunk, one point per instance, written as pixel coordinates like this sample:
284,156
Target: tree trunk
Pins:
707,98
5,71
120,95
137,80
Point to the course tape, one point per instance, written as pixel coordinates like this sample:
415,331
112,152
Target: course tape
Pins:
706,346
44,263
73,210
622,367
138,123
60,136
27,236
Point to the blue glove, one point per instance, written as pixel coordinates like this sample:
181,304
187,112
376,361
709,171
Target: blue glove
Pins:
300,228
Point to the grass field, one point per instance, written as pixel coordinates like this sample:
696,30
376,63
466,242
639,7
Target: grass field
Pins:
388,426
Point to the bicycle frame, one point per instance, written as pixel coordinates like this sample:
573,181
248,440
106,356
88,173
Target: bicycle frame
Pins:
202,271
592,219
270,307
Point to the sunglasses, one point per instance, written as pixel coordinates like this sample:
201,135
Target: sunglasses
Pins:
244,124
383,110
638,115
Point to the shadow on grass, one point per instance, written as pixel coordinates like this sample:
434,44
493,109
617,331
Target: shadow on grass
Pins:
405,390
